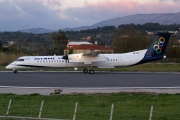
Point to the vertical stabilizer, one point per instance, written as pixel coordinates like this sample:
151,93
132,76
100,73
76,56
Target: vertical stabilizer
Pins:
157,48
159,45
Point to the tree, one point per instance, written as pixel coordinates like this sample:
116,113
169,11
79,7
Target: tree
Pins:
127,40
173,48
60,41
60,38
1,46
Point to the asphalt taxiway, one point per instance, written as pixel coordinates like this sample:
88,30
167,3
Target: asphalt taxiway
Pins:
100,81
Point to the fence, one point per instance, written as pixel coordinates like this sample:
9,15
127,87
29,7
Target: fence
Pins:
7,117
84,112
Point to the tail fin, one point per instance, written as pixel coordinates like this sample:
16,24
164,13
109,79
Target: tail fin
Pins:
159,45
157,48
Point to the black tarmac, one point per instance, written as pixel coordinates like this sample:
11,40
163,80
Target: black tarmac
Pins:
99,79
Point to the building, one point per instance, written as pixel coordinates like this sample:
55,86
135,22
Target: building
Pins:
150,33
86,48
72,44
11,42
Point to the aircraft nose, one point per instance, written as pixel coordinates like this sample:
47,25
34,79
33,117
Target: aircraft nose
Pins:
10,66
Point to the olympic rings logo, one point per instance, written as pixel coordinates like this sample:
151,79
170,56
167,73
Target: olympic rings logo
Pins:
158,45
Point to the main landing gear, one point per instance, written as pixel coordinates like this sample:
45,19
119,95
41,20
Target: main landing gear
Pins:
88,70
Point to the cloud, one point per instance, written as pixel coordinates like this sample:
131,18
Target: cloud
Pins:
108,9
57,14
52,4
176,0
168,1
14,14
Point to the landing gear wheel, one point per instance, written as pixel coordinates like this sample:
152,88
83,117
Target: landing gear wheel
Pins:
85,71
91,71
14,71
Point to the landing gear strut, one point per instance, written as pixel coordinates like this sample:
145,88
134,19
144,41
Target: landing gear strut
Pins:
14,71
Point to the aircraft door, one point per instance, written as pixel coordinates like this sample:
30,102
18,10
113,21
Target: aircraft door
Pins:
120,61
30,61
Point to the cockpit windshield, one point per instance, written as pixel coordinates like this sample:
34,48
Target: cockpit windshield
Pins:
20,59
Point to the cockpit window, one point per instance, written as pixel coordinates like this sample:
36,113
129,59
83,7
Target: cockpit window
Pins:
20,60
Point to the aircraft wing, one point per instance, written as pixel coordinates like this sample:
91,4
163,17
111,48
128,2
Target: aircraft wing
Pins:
87,58
92,54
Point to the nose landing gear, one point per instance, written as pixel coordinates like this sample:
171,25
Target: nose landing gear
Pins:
14,71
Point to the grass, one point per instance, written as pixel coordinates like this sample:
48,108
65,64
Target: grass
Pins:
149,67
127,106
5,59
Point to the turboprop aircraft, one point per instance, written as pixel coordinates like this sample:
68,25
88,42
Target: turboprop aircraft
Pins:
94,59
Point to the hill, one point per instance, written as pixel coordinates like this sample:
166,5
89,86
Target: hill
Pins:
37,31
162,18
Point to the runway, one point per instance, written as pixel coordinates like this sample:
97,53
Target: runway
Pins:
99,80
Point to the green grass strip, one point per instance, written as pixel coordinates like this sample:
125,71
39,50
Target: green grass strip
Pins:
127,106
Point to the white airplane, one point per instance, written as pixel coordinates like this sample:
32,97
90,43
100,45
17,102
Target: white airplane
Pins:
94,59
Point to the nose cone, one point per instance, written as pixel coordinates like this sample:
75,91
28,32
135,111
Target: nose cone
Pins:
10,66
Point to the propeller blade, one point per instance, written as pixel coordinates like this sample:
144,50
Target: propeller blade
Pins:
66,58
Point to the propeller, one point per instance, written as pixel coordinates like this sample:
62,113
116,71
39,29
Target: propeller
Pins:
65,57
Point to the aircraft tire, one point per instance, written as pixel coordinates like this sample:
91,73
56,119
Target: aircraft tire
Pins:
14,71
85,71
91,71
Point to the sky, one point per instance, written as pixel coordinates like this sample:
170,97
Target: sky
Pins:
58,14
